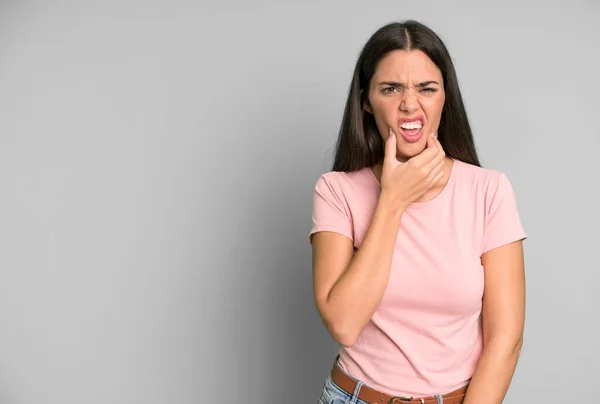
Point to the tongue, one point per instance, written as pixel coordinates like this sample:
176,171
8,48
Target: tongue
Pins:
411,132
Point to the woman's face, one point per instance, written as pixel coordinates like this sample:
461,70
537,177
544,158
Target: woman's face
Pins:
406,94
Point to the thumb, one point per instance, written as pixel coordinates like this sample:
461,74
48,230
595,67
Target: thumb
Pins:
390,151
431,140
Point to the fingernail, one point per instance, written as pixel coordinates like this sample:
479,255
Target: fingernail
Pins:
391,132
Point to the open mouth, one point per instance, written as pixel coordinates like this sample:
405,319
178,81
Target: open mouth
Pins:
411,130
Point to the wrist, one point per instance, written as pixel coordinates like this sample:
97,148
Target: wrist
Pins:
392,204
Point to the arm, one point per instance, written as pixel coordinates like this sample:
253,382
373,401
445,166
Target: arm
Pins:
503,323
348,289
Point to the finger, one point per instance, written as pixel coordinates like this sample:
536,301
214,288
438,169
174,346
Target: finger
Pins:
438,177
442,152
438,159
438,143
436,174
428,154
390,151
431,140
438,168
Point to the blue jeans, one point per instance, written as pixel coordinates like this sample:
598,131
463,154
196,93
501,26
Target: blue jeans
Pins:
334,394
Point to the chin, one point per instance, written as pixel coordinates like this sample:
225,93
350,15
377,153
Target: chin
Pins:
409,150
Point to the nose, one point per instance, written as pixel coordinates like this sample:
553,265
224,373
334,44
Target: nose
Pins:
409,103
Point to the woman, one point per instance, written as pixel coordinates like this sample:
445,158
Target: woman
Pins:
417,250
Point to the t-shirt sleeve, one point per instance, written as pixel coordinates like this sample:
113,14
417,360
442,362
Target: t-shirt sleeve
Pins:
503,223
330,210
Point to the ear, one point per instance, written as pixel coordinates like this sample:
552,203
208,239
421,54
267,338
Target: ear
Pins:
366,104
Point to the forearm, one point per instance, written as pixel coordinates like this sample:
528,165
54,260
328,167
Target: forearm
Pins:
356,295
493,374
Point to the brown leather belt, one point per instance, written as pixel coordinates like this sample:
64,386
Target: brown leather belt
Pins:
372,396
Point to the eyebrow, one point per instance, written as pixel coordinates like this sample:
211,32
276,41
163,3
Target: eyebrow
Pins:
397,84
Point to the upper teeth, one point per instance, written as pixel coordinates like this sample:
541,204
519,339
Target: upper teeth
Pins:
411,125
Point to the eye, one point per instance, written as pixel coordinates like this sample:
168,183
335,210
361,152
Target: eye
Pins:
388,90
429,90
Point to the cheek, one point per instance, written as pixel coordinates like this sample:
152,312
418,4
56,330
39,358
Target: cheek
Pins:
384,108
433,106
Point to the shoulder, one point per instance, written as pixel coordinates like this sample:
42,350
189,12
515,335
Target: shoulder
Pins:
484,179
486,187
346,188
342,180
344,176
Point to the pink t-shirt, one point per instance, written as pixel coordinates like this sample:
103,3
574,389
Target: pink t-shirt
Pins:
425,337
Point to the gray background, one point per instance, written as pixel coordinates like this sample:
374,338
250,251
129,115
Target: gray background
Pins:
157,163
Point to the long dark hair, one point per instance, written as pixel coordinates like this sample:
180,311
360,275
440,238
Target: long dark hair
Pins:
359,143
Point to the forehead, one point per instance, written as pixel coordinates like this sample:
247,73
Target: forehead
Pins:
402,66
